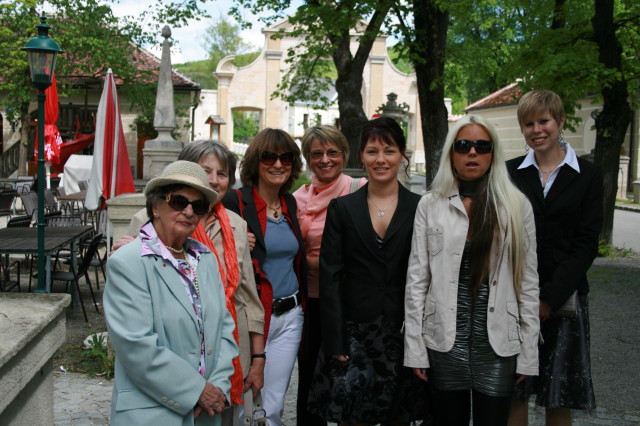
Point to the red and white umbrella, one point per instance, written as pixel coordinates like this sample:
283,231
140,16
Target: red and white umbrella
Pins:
52,138
111,172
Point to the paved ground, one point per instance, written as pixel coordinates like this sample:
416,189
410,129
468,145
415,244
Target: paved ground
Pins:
626,232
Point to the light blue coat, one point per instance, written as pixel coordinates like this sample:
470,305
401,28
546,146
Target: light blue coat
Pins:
153,328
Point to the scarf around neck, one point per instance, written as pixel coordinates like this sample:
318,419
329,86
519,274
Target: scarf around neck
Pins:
317,199
230,279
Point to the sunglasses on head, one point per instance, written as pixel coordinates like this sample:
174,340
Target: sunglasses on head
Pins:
179,203
269,158
463,146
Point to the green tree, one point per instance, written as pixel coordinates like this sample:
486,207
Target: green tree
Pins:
245,125
222,39
583,47
93,40
326,30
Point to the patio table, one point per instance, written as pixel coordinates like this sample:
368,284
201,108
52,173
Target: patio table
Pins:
25,241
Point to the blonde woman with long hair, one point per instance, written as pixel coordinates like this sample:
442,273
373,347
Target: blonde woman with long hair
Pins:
471,300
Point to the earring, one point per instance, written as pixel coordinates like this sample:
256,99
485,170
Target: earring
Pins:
526,148
561,140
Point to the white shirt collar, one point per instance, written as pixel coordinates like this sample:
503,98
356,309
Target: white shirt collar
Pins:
570,158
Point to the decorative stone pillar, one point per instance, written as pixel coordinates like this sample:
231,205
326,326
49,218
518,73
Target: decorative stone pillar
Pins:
32,328
121,210
623,174
164,149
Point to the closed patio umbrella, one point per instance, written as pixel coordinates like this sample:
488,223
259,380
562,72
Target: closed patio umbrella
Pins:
111,172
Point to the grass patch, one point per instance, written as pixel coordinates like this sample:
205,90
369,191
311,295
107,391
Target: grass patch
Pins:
609,250
99,359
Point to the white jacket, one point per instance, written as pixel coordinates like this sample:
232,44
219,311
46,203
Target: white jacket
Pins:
431,294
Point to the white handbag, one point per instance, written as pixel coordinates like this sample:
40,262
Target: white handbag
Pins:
254,414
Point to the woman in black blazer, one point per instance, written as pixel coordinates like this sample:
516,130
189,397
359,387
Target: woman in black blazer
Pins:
566,194
270,166
363,265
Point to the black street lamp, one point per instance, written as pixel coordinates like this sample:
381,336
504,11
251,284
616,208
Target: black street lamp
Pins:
41,54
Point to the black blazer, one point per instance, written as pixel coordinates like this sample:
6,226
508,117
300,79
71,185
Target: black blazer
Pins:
568,224
249,213
359,281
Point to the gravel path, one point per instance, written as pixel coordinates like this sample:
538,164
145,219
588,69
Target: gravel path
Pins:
615,352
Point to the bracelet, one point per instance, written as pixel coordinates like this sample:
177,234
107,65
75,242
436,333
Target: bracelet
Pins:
262,355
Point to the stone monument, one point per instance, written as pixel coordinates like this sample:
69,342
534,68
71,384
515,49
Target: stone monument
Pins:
164,149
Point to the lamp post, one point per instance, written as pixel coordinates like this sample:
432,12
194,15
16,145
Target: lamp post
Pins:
42,52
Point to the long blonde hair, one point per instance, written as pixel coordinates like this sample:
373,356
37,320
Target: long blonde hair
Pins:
502,194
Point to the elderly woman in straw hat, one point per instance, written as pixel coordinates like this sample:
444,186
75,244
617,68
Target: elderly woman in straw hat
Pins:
166,314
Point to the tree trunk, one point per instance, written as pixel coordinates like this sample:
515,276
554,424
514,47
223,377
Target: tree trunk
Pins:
349,82
612,122
431,25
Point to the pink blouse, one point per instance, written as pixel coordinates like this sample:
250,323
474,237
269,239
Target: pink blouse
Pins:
313,200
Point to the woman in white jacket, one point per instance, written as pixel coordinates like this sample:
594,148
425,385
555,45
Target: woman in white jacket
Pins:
471,300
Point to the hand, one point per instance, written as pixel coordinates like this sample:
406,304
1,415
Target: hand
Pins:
121,242
521,378
341,358
421,373
255,377
545,311
251,237
211,400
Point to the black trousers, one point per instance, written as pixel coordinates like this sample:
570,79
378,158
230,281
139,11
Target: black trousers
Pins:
311,341
453,408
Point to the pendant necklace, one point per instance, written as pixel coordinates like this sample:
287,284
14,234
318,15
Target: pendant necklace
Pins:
275,211
381,211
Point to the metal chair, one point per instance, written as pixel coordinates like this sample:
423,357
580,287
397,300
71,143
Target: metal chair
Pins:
73,276
29,202
19,222
7,197
6,282
50,200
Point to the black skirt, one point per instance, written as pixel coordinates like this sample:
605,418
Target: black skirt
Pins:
564,380
372,386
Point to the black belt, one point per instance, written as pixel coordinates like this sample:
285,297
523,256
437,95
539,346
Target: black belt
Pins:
285,304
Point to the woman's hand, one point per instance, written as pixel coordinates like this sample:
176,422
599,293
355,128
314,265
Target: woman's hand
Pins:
421,373
255,377
211,401
521,378
341,358
251,237
545,311
121,242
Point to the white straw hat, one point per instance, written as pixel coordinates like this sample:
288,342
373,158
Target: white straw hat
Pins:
185,173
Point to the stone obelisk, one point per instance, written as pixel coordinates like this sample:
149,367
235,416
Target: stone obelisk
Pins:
164,149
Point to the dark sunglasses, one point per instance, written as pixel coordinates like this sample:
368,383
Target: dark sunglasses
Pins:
463,146
269,158
179,203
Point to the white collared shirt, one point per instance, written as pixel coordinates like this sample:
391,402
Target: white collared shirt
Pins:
570,158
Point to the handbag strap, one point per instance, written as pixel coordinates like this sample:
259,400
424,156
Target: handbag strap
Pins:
254,414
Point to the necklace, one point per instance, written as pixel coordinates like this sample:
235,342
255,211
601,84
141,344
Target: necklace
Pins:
274,210
195,275
177,251
381,211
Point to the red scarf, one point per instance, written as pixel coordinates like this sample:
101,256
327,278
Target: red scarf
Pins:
230,280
